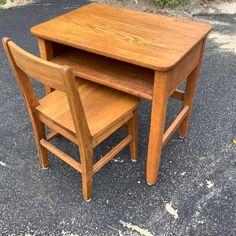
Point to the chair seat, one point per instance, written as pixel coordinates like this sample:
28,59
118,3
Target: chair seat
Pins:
103,106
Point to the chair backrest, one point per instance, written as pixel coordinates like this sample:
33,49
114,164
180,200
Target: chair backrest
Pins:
25,65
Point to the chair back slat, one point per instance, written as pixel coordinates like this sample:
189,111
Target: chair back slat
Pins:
43,71
26,65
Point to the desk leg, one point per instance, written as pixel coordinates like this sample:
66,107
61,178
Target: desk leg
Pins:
158,116
188,100
189,93
46,52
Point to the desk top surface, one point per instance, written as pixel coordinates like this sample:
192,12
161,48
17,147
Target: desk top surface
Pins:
149,40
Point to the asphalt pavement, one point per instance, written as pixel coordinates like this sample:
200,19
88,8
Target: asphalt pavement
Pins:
197,175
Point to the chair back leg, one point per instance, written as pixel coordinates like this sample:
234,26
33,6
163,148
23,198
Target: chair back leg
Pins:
86,158
133,131
39,133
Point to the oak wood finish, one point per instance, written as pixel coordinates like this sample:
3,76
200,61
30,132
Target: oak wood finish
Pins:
189,93
112,153
166,50
52,135
46,52
31,102
149,40
178,95
175,124
60,130
126,77
158,116
133,131
165,87
57,152
185,66
80,110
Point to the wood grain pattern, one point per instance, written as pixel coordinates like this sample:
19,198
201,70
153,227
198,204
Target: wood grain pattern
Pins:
122,76
169,47
113,73
184,67
45,49
112,153
80,110
149,40
158,117
189,93
133,131
95,101
57,152
47,53
44,72
178,95
52,135
31,102
59,129
174,125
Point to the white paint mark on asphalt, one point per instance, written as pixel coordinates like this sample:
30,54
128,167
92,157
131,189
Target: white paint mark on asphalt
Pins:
117,160
67,233
209,184
144,232
171,210
183,173
71,7
2,163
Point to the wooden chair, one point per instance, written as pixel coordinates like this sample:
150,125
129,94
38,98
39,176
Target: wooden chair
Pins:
83,112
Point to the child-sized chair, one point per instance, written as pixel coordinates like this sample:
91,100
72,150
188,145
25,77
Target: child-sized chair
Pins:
84,112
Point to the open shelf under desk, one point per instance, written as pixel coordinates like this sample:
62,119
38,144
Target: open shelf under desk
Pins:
119,75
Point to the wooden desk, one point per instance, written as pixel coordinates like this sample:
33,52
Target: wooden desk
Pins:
143,54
